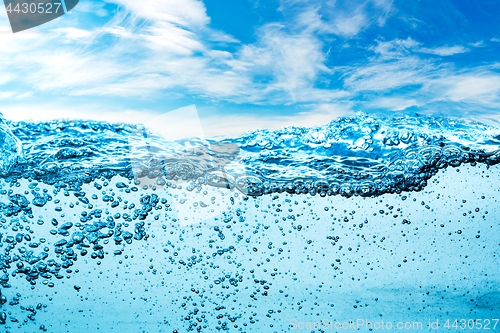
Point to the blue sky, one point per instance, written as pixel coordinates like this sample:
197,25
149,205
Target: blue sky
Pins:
254,64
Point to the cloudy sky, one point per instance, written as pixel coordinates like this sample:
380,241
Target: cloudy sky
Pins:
249,64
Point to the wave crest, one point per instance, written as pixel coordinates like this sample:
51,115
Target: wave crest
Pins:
357,155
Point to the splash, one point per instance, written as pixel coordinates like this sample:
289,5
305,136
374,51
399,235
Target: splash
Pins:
357,155
10,148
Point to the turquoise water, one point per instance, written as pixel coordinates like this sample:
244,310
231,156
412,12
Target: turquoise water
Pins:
108,227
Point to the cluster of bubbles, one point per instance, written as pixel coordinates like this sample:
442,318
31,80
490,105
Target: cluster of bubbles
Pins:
26,255
79,162
233,266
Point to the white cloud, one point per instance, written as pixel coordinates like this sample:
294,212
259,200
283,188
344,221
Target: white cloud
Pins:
444,50
480,88
135,86
219,36
25,95
400,48
158,47
92,7
477,44
73,33
119,31
394,103
167,37
5,77
187,13
386,75
397,48
13,44
294,60
67,70
175,54
397,65
345,19
91,111
6,94
387,7
349,25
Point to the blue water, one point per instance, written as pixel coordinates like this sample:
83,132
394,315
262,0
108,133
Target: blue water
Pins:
109,227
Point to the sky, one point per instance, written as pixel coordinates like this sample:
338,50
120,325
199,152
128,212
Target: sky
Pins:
248,64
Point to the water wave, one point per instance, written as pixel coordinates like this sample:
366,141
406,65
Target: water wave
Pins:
356,155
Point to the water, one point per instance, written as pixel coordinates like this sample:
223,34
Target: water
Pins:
367,219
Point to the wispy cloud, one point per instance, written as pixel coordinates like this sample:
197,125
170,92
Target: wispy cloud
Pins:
403,47
6,94
394,103
386,75
343,18
62,69
5,76
169,45
478,44
479,87
289,63
349,25
73,33
397,68
444,50
397,48
186,13
92,7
